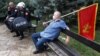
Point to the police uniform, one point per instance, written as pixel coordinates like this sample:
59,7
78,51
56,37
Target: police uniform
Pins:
21,13
9,19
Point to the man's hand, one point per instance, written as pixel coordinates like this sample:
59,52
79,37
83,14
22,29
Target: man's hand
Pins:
45,23
67,39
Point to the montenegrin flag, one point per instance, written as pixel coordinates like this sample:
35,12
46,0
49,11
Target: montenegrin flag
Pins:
87,21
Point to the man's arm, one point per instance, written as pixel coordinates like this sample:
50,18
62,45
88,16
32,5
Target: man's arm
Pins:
67,37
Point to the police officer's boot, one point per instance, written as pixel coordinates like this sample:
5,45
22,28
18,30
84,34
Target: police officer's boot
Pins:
21,38
22,35
17,34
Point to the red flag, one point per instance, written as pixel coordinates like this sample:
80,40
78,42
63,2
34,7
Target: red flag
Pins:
87,21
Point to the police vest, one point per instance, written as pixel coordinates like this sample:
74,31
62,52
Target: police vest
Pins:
20,23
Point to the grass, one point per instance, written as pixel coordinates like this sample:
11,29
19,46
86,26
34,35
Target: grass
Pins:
81,48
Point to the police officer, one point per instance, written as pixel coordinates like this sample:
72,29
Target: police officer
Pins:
9,19
21,11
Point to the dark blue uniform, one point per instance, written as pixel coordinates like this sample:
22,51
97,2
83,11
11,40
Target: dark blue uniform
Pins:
21,13
8,23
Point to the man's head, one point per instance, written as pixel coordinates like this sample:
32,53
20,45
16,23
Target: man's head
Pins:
11,4
56,15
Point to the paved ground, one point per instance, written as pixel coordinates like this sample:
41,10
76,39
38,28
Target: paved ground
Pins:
12,46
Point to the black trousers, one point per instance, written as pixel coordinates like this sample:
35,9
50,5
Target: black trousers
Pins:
20,33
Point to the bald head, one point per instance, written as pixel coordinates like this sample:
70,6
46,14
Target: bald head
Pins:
56,15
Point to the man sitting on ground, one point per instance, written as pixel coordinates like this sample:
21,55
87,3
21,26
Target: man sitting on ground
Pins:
50,33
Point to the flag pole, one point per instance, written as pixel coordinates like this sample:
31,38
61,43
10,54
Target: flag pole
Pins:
70,13
77,11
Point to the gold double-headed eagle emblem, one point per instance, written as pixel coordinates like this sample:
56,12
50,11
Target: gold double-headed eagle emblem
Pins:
86,28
